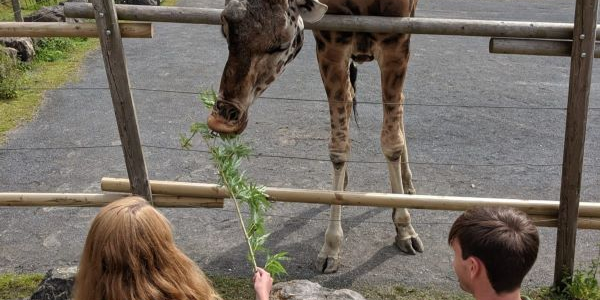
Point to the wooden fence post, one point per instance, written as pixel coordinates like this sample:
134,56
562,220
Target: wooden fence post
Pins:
17,10
118,81
584,33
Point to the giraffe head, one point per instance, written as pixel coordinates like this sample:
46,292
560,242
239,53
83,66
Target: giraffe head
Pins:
263,36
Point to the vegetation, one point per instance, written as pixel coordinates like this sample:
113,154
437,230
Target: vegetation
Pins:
9,76
14,286
27,7
227,153
58,60
582,285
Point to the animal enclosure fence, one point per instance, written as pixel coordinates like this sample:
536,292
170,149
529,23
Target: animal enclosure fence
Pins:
508,37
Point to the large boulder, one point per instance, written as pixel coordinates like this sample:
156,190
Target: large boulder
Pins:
50,14
12,53
57,285
23,45
137,2
307,290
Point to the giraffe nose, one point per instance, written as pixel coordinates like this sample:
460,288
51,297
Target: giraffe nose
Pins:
227,118
228,111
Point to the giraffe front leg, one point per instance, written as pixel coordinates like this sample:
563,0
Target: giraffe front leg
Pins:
407,239
393,63
407,183
328,260
334,63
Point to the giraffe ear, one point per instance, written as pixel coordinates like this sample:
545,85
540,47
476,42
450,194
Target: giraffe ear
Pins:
311,10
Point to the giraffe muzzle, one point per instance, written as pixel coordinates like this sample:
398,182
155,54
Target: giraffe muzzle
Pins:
227,118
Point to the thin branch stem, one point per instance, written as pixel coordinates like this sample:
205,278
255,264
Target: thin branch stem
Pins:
239,213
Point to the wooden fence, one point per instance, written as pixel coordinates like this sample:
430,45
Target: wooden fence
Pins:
579,38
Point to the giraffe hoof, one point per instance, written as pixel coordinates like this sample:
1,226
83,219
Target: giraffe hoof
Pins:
327,265
410,245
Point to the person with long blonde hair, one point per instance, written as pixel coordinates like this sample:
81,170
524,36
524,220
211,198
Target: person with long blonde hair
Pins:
130,254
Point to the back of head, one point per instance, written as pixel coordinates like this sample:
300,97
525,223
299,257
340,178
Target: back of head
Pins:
129,253
504,239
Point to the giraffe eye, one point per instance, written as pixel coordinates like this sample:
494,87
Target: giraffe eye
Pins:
278,48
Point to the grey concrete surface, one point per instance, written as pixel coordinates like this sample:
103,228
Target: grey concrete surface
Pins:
455,149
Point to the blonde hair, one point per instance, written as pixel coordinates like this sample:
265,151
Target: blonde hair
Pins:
129,254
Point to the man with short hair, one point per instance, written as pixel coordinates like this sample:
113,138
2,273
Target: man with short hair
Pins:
494,248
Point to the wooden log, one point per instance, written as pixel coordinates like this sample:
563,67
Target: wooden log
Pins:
122,99
582,223
535,207
534,47
52,29
97,200
541,30
191,15
586,12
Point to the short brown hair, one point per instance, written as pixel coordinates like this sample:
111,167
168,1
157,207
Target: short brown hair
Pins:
504,239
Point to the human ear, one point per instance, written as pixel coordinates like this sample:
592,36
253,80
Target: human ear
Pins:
474,264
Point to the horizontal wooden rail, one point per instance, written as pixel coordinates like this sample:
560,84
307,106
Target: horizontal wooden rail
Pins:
544,209
97,200
540,30
582,223
534,47
56,29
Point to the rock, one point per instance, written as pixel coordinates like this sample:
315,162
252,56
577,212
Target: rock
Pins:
307,290
24,46
50,14
137,2
12,53
57,285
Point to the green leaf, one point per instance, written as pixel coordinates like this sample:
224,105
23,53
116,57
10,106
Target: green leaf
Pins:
208,98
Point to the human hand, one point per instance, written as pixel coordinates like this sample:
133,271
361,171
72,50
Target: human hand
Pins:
262,284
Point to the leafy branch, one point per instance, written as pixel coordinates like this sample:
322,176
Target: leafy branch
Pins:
227,153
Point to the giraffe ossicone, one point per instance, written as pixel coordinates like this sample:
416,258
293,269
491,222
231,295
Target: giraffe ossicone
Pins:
263,36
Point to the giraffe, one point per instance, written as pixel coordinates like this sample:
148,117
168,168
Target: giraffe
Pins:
263,36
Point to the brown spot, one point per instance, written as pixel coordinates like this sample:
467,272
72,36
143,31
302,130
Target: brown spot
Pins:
374,9
389,107
320,44
326,35
334,77
354,9
391,39
325,69
397,80
344,37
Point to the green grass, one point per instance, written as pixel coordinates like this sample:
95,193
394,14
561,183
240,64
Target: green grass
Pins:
27,7
233,288
14,286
